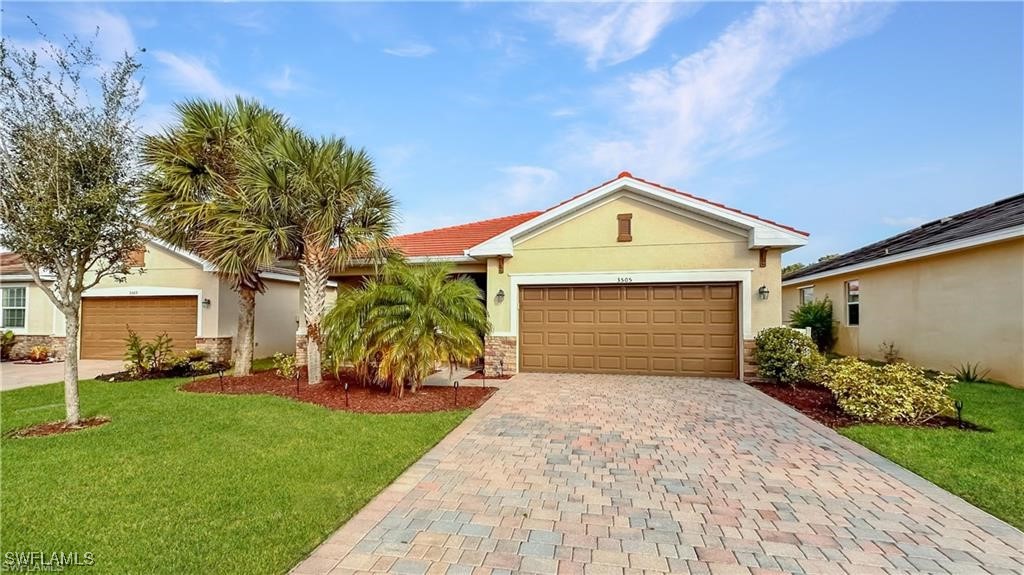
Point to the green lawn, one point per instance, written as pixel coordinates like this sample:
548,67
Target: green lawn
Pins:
192,483
983,468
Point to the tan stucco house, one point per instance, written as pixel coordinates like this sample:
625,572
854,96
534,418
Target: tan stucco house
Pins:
170,291
946,293
628,277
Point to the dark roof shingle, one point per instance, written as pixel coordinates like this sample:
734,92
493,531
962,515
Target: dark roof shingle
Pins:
1005,213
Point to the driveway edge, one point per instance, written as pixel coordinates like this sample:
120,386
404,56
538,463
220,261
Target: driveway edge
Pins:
931,490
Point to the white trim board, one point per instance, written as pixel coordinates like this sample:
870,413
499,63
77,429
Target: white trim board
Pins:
760,233
956,245
741,276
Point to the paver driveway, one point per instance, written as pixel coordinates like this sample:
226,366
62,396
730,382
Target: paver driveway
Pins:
611,474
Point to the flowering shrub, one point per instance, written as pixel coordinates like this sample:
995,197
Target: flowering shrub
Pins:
284,365
892,393
787,355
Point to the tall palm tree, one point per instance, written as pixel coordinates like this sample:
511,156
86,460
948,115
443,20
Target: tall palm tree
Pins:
195,198
406,321
336,211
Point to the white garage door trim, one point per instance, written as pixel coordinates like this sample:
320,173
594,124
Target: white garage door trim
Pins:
740,276
151,291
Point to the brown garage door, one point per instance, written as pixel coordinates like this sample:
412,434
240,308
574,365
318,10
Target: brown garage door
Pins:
105,322
677,329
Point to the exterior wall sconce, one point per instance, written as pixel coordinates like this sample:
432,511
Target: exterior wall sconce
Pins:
500,296
206,303
762,292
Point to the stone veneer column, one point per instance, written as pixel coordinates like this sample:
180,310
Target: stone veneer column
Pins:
500,355
217,348
749,368
24,343
300,347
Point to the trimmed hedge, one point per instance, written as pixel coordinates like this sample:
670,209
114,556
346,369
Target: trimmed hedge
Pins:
787,355
892,393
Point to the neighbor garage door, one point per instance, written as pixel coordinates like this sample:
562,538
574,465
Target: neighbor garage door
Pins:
669,329
105,323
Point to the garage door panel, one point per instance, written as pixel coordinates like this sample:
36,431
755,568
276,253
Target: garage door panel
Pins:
106,321
684,329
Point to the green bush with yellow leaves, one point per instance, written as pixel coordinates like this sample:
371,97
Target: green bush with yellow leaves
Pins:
892,393
787,355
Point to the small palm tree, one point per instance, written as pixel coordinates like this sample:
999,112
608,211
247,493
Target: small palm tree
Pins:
196,199
335,210
397,327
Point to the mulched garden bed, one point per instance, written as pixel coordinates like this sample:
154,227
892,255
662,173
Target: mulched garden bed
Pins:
122,376
331,393
56,427
818,403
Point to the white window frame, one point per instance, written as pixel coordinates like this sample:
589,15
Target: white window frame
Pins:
17,330
801,291
846,297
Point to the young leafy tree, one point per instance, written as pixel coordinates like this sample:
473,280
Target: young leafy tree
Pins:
68,171
336,211
195,198
405,322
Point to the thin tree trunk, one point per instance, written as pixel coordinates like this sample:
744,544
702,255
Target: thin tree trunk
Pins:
314,268
71,364
243,348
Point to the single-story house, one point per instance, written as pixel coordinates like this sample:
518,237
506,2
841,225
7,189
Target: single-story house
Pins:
171,291
630,277
947,293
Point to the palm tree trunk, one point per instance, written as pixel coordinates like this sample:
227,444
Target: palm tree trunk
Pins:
246,331
71,364
315,268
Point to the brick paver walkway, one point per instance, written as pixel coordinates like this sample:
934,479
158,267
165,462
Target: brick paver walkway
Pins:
610,474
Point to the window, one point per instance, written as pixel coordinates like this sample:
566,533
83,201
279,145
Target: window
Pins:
12,307
806,294
853,302
625,227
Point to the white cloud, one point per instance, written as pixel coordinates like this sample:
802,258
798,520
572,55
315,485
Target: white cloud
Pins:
718,101
609,33
153,118
192,75
282,83
522,187
411,50
114,37
564,112
905,222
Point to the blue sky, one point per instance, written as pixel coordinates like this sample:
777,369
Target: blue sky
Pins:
851,121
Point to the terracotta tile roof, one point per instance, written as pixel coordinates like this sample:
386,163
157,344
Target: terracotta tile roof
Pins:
454,240
1000,215
10,264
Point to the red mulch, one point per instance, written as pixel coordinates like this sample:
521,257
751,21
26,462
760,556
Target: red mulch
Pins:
818,403
480,375
331,393
57,427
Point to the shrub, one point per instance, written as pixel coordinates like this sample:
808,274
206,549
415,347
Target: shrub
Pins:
284,366
196,355
141,358
890,353
6,344
816,315
159,352
199,367
39,353
891,393
135,354
971,373
786,355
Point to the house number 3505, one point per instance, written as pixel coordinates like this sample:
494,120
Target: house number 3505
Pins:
625,280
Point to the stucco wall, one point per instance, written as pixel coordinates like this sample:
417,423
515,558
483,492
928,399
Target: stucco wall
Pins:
940,311
277,313
662,241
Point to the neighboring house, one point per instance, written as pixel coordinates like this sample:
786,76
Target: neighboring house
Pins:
945,294
170,291
628,277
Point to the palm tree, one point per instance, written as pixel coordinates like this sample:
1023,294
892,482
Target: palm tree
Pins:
397,327
195,198
336,211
